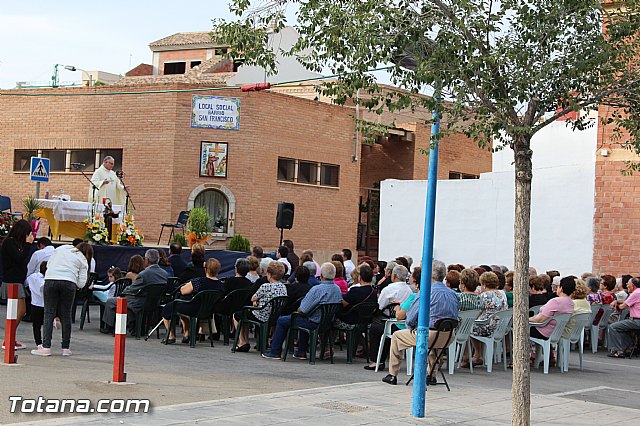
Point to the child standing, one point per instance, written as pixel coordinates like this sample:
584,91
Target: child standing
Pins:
35,282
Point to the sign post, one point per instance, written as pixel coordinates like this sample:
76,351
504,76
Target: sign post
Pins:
39,172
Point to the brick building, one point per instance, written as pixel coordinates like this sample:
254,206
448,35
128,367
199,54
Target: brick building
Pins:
285,148
617,207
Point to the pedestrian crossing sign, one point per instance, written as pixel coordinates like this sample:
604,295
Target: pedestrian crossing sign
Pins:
39,169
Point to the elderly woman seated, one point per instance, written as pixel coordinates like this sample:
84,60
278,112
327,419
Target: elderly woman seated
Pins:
580,306
187,292
493,300
563,304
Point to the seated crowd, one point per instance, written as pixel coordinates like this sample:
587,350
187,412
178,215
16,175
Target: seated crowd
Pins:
391,288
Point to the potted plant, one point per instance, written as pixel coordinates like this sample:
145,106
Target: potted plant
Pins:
239,243
180,239
198,225
31,205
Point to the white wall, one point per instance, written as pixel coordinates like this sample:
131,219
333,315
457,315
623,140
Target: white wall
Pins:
288,66
555,145
474,218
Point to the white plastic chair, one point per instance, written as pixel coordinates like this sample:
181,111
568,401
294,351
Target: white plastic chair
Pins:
545,345
498,337
603,323
576,336
466,321
387,335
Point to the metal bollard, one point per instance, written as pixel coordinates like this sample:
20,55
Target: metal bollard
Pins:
119,376
11,324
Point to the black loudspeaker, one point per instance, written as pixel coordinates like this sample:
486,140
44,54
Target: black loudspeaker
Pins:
284,218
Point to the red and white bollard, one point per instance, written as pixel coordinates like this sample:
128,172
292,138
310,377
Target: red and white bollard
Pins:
11,324
119,376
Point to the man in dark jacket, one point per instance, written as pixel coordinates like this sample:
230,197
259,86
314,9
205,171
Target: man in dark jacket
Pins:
152,275
293,258
178,264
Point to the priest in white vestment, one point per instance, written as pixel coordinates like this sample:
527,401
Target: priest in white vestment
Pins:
108,184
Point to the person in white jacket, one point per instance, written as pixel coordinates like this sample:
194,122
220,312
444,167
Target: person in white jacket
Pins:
67,271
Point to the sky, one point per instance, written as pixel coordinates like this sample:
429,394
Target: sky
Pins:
111,36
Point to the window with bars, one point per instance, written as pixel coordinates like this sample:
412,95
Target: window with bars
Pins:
61,159
460,175
308,172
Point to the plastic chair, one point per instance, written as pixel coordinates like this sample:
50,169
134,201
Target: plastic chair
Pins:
365,318
180,224
5,206
328,312
86,295
534,310
226,307
207,300
408,353
276,304
498,337
152,295
168,294
576,336
120,285
466,321
170,290
603,323
292,306
553,340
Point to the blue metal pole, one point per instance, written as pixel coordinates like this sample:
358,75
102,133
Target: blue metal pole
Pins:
422,333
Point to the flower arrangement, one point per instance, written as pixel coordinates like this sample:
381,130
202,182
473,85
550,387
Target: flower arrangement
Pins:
198,226
6,223
96,231
129,235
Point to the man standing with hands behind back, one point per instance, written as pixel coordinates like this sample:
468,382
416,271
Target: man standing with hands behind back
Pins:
108,184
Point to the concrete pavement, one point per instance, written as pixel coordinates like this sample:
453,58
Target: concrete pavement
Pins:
372,404
220,386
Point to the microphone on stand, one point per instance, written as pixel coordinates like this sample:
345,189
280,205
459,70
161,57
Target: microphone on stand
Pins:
78,165
120,174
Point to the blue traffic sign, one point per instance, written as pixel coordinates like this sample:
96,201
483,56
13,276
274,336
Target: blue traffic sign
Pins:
39,169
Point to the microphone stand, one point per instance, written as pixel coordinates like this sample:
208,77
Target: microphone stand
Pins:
120,175
94,188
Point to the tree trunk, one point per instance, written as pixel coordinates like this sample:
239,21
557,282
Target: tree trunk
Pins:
521,391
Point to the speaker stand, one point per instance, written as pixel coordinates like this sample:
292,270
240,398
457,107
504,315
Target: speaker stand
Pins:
281,236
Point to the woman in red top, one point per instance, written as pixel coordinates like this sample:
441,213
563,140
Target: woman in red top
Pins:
339,279
607,287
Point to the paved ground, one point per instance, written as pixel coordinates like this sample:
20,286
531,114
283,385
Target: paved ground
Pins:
220,386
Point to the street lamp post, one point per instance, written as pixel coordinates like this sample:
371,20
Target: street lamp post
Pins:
72,68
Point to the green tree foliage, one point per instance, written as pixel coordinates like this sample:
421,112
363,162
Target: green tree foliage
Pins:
508,68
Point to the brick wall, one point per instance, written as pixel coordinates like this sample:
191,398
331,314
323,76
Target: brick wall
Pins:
617,209
405,160
161,153
181,55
